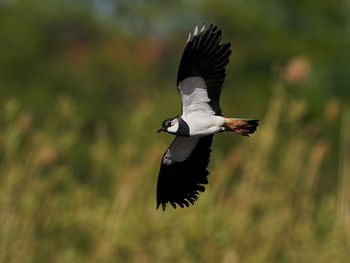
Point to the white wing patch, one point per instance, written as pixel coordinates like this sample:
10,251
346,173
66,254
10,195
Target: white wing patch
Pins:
180,149
194,97
195,33
189,37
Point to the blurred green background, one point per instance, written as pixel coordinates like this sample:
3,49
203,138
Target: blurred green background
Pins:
85,84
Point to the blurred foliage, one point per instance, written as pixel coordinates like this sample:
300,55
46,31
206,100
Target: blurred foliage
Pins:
84,85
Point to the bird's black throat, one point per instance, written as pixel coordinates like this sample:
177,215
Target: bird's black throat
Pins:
183,129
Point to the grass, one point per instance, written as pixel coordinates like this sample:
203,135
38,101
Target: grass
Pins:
269,197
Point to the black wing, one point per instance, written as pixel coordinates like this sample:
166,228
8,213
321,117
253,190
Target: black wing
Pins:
205,57
179,182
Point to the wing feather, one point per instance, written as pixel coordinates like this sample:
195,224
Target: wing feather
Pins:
182,176
204,57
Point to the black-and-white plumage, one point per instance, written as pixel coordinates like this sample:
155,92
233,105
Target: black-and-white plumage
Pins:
183,172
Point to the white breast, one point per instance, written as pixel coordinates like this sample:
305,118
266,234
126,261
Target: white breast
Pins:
204,125
196,111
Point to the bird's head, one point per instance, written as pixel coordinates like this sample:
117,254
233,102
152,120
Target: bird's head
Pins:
170,125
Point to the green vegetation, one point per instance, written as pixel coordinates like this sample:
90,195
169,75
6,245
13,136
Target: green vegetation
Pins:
84,87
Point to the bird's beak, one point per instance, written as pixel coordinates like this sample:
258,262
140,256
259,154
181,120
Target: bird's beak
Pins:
161,129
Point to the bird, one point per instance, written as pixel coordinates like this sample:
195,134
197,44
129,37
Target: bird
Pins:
183,170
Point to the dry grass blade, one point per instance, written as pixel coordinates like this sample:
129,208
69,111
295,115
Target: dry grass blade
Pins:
344,175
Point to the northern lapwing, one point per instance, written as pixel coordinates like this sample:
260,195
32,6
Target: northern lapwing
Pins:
183,171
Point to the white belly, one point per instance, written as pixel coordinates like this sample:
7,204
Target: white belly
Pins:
204,125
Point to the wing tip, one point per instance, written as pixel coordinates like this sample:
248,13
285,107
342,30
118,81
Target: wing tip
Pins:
187,201
195,32
163,206
189,37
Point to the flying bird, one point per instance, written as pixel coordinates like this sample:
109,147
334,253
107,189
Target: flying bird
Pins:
183,171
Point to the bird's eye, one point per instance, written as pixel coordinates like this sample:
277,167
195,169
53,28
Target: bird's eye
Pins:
168,124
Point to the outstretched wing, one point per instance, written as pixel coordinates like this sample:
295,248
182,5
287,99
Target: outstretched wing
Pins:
183,171
202,71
